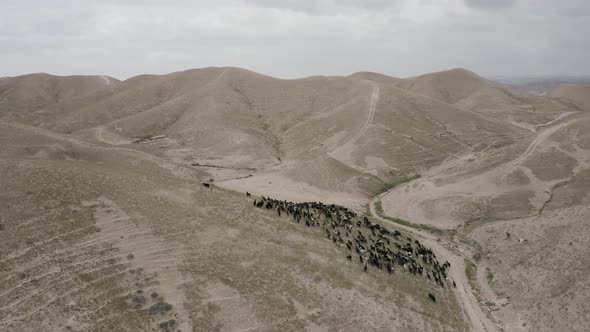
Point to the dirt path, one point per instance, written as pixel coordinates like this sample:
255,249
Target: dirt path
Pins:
99,135
342,153
554,121
177,170
465,295
488,117
106,80
540,138
372,106
411,200
477,318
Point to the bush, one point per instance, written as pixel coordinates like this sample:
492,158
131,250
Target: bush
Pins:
168,324
139,299
160,307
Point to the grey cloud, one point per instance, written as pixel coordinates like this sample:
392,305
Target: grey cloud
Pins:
490,4
123,38
326,6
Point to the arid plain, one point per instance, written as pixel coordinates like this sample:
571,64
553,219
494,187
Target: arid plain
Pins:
105,224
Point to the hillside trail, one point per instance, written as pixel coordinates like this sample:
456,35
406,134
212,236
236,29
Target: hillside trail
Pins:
107,81
483,115
99,135
372,106
177,170
465,294
477,318
405,200
541,137
349,145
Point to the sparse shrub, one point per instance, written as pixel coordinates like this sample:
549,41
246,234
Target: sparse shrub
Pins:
160,307
139,291
130,256
139,299
154,295
168,324
477,256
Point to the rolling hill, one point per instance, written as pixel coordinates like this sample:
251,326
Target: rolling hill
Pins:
577,93
103,203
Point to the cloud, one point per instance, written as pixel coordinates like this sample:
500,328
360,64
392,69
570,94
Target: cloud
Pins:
327,7
490,4
290,38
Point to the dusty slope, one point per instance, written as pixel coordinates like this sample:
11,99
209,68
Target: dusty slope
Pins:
464,191
535,275
542,268
467,90
26,98
89,233
354,135
490,159
449,86
376,77
579,94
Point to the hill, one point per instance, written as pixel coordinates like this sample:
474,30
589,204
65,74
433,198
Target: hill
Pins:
27,96
98,238
104,181
355,135
579,94
465,89
450,86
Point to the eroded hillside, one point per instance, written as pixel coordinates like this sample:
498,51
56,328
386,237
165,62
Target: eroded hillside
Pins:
105,222
96,238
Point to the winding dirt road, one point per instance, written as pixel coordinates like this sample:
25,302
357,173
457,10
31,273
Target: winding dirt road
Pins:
477,318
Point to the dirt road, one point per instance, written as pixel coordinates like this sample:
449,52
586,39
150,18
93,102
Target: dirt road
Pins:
341,153
477,318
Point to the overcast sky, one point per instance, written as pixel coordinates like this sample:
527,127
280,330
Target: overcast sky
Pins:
295,38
